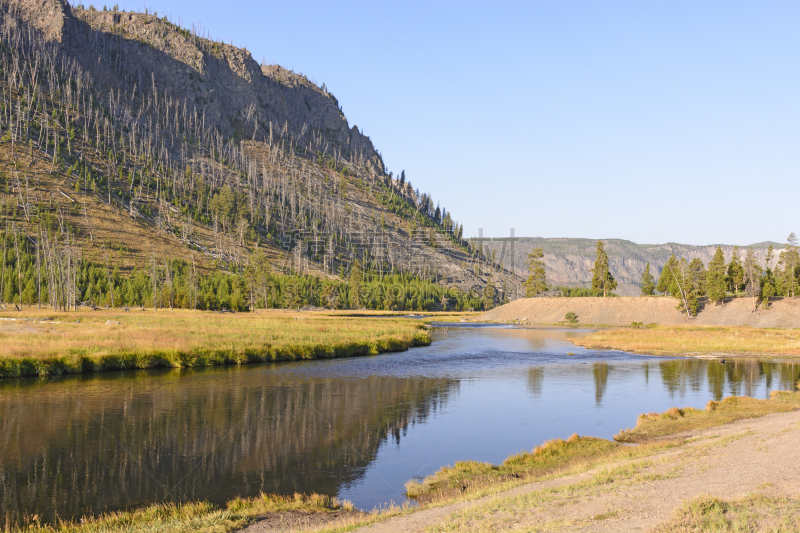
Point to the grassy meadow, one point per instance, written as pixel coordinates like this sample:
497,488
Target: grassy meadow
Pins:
708,340
41,343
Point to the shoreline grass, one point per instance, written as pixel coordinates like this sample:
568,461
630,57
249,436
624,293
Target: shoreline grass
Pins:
48,344
554,458
197,516
650,426
726,341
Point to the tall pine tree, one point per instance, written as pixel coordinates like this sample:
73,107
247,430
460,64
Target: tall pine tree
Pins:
536,282
666,281
788,262
716,282
735,272
648,282
488,295
601,277
752,277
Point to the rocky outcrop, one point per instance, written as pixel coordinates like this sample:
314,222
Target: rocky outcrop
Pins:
229,89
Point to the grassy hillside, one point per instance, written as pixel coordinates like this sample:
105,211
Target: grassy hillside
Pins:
116,148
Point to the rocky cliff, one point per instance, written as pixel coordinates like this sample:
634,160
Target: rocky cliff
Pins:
232,92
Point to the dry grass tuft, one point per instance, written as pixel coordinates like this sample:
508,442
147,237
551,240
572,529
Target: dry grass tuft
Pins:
751,513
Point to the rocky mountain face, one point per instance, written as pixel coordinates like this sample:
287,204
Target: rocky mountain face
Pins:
232,92
569,262
172,137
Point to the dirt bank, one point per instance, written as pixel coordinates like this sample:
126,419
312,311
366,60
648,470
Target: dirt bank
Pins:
784,313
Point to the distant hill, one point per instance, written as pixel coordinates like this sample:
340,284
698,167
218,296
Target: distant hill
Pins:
569,261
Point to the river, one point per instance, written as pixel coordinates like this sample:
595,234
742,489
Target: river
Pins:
357,428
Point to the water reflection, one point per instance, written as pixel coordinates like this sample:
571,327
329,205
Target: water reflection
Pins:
108,443
600,371
535,380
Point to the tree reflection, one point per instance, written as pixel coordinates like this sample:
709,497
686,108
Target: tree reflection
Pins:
111,443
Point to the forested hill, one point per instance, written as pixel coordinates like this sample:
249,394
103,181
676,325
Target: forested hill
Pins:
568,262
129,140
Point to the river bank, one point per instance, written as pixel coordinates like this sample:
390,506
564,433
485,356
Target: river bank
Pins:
43,343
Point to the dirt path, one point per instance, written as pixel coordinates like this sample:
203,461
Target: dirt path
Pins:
784,313
758,455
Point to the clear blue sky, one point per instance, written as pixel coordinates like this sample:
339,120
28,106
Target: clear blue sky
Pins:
649,121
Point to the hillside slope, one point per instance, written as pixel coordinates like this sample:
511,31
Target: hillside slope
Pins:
122,131
783,313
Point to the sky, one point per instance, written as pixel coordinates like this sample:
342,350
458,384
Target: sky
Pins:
652,121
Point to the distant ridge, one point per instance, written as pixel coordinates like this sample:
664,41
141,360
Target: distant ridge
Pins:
569,260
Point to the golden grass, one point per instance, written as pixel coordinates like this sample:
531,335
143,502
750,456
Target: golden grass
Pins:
553,458
681,340
46,343
654,425
755,512
198,516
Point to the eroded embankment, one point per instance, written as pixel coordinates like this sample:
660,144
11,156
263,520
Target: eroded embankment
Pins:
622,311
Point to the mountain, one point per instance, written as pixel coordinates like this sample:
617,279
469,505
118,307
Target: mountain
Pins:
568,262
125,135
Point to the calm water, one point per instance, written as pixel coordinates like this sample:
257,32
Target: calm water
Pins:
357,428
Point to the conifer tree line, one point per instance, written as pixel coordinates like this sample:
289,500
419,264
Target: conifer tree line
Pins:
52,273
603,281
147,152
741,276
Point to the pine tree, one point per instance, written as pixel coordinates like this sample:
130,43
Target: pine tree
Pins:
601,277
786,271
648,282
537,280
715,279
488,295
355,280
695,276
752,276
666,281
735,272
790,260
